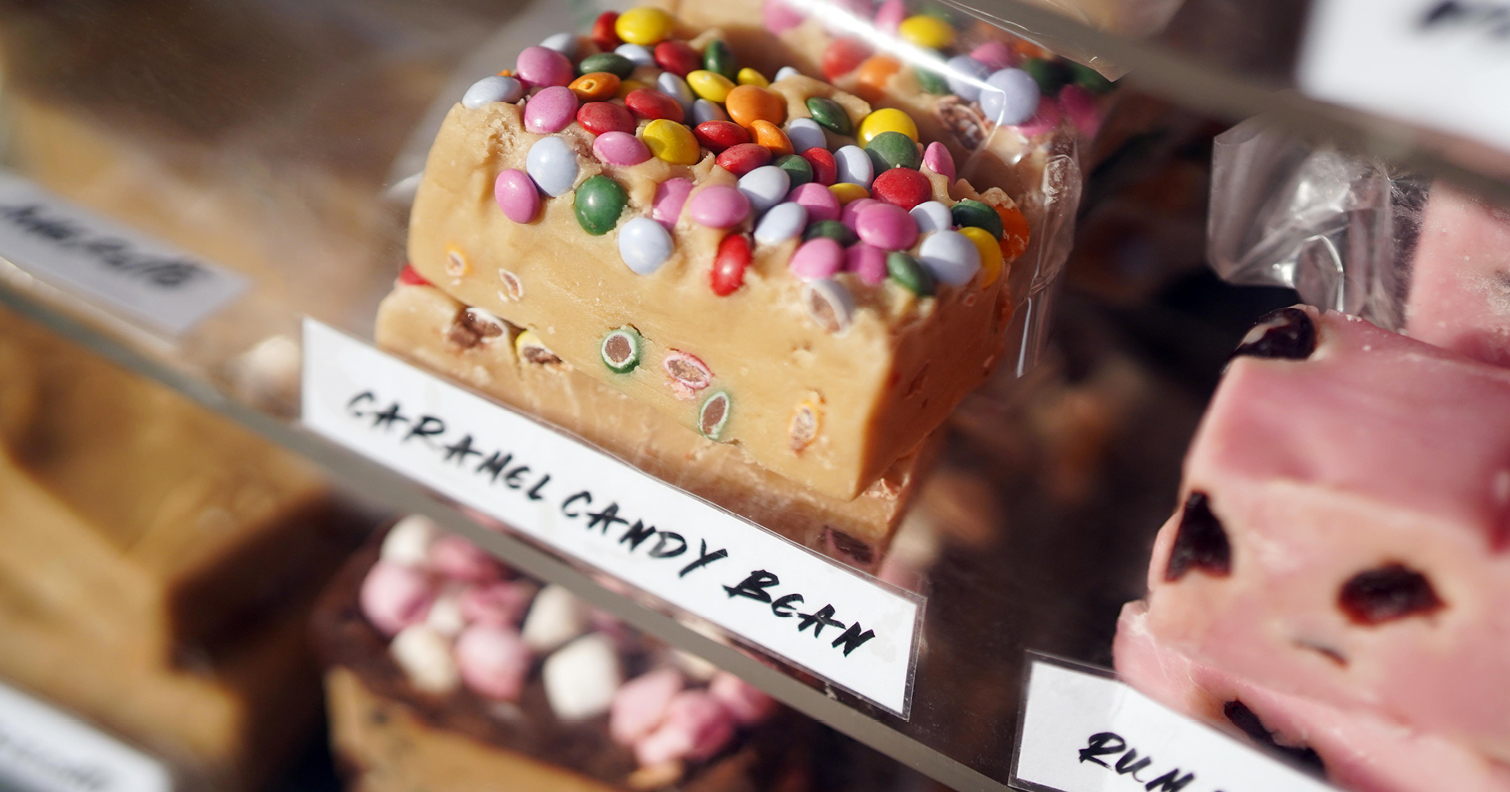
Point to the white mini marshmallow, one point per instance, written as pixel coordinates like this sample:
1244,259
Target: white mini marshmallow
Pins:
425,656
408,541
582,677
445,615
556,616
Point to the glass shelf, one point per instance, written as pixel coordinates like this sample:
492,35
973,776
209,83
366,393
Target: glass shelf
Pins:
1029,535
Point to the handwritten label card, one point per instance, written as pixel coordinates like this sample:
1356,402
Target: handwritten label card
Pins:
107,263
1087,732
1437,63
848,628
43,750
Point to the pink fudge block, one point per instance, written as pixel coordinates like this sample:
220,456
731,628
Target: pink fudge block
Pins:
1344,530
1460,278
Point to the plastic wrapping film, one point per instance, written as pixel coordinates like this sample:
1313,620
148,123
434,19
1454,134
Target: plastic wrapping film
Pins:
1362,236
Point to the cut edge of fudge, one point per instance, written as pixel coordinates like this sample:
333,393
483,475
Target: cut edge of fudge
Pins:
427,326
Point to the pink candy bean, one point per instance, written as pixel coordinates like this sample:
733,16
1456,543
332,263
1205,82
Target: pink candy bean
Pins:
780,17
817,259
747,703
889,16
820,201
851,211
394,596
886,226
550,110
517,195
543,66
866,261
620,148
493,661
1082,109
670,196
995,54
640,705
718,206
1045,120
938,159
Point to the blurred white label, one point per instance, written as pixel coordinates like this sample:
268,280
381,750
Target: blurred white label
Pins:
842,625
43,750
1438,63
107,263
1086,732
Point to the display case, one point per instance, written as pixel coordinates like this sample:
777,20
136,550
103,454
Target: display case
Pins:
277,211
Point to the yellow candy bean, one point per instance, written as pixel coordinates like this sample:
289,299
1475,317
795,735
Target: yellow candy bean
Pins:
710,85
990,253
847,192
625,86
645,26
671,142
887,119
748,76
925,31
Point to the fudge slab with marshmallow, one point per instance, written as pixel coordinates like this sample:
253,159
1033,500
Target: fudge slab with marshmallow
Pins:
1342,539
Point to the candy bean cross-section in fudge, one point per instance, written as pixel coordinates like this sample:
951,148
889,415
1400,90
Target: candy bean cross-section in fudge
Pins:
809,306
1343,533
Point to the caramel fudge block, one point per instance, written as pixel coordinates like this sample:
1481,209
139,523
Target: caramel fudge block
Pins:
162,527
226,723
423,324
812,360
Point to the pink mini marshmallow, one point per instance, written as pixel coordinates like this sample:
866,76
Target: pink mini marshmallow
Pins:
493,661
697,726
747,703
459,559
498,602
889,16
780,17
640,705
1081,108
395,596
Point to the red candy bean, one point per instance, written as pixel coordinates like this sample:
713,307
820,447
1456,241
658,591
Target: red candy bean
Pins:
716,136
601,117
409,277
743,158
729,264
649,104
843,56
603,33
902,187
677,57
825,170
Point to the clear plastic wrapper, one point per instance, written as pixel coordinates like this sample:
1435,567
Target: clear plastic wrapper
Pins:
1357,235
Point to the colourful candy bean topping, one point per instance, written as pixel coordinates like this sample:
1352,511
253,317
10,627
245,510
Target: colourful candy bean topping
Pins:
599,202
677,57
645,26
601,117
887,227
595,87
645,103
830,115
516,196
671,142
905,270
550,110
902,187
542,66
644,245
716,136
620,148
829,305
817,258
621,350
718,206
938,159
713,416
688,374
743,158
729,265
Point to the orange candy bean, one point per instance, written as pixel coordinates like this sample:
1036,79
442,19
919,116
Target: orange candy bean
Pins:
1015,232
595,87
769,135
873,75
750,103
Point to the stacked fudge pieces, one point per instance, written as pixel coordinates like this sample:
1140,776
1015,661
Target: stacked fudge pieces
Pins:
754,284
1335,581
448,671
159,564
